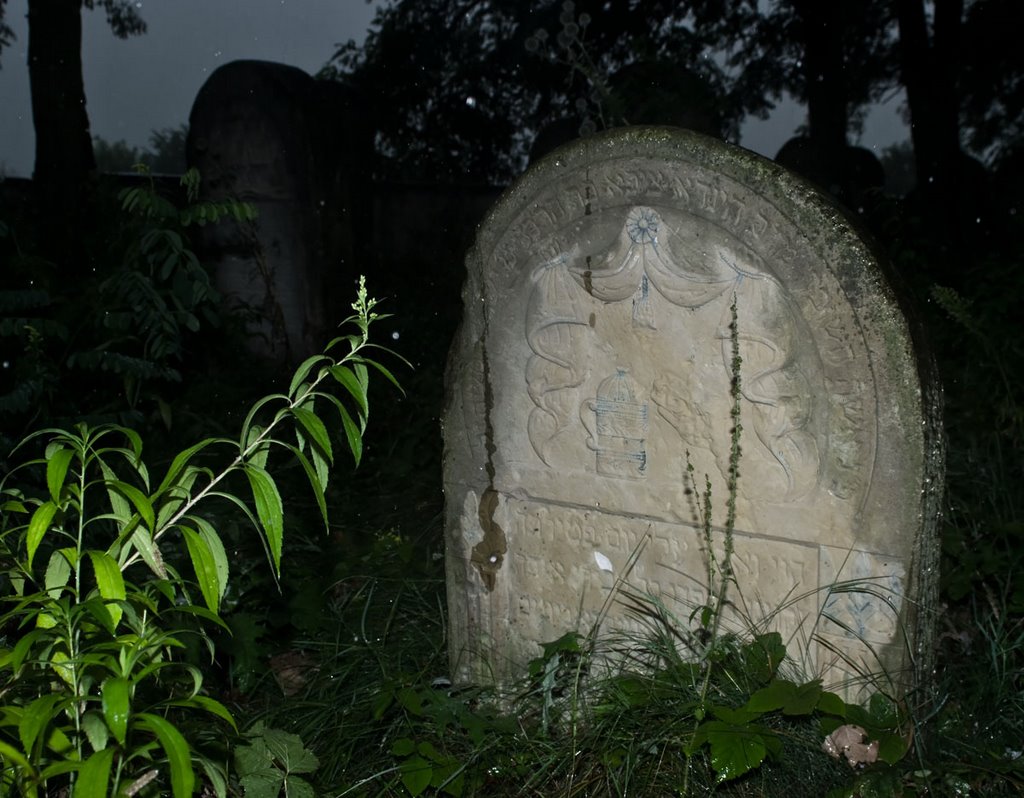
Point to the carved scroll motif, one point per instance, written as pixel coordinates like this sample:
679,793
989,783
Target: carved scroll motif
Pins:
647,260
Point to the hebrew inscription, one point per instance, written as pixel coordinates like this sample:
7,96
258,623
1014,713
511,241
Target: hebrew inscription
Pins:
593,368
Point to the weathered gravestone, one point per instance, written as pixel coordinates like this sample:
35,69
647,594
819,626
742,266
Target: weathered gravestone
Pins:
294,148
594,355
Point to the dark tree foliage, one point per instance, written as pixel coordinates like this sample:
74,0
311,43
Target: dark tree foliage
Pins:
991,80
458,97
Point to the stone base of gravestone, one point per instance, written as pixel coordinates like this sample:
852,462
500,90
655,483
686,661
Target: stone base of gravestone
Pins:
589,406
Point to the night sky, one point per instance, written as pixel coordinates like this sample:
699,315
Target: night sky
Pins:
148,82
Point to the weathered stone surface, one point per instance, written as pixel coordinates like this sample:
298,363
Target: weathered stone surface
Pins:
594,355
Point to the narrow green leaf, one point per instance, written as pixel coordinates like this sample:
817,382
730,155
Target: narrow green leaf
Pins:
119,505
37,717
387,374
302,371
94,775
116,705
349,381
16,757
108,576
180,461
316,480
178,755
354,435
58,572
210,705
220,556
244,438
142,541
37,528
269,509
315,429
205,568
96,730
257,454
56,470
139,499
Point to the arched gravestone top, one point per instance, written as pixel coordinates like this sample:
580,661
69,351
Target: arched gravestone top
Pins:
594,355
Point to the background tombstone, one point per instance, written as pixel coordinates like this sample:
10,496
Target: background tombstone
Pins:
593,355
295,148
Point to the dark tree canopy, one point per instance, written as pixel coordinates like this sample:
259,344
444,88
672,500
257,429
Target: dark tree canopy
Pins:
461,87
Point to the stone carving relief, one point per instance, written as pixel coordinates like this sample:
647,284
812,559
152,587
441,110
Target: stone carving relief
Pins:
646,274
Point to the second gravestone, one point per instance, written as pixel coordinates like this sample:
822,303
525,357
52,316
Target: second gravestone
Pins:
593,364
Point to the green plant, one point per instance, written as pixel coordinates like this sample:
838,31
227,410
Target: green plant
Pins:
105,577
273,760
131,315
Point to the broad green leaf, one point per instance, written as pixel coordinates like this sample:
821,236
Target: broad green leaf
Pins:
94,775
205,568
58,572
269,510
315,429
416,774
288,750
300,788
56,470
108,576
737,717
263,784
403,747
735,750
804,700
891,747
61,664
178,755
37,717
344,376
116,706
37,528
100,612
832,704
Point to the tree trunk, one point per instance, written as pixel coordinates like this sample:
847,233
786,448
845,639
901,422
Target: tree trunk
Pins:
928,68
827,112
64,166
